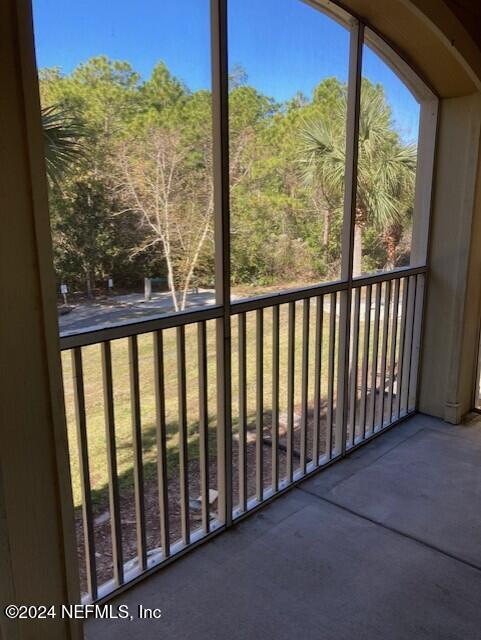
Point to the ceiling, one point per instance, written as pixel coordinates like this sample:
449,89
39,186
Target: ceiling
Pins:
469,13
436,37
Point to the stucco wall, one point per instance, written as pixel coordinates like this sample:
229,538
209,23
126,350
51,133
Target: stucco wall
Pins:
453,292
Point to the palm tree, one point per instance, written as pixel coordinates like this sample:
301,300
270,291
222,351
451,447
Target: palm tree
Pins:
63,135
386,168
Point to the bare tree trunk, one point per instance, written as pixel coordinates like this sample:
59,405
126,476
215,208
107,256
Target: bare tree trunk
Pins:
357,256
170,281
327,228
88,282
392,237
193,263
153,184
390,252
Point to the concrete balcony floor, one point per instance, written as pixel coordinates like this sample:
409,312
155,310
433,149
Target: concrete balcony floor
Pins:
385,544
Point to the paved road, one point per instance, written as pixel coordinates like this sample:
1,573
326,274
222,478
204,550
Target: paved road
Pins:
126,308
133,307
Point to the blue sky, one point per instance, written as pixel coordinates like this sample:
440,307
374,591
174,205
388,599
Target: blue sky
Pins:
285,46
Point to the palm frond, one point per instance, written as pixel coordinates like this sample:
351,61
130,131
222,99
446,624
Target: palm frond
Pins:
63,134
386,168
322,154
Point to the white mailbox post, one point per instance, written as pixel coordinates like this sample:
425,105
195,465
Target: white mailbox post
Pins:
64,291
147,288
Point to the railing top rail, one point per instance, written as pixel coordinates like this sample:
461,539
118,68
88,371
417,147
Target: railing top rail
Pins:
190,316
281,297
126,329
272,299
402,272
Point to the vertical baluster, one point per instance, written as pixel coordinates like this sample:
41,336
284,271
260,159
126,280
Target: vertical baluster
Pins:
275,398
114,500
392,366
290,388
354,362
418,326
260,405
203,425
161,433
304,383
365,360
406,380
137,450
342,384
84,471
415,340
385,340
317,378
242,413
402,343
375,351
183,436
330,373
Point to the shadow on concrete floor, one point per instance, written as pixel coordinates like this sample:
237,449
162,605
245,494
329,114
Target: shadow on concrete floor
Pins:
385,544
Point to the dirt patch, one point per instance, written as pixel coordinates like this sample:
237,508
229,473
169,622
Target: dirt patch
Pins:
102,527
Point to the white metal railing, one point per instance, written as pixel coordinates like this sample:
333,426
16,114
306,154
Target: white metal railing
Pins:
301,398
281,385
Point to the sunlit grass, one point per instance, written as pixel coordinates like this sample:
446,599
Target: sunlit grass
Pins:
122,398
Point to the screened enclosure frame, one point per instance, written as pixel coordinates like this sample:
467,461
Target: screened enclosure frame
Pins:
360,33
345,294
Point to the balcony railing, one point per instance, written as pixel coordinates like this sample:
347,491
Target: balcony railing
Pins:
312,374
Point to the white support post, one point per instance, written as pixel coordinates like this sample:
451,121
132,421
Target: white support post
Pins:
220,98
350,181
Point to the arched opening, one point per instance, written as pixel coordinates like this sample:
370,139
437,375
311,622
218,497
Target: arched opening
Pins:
280,194
173,421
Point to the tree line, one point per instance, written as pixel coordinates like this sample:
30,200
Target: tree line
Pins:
131,189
